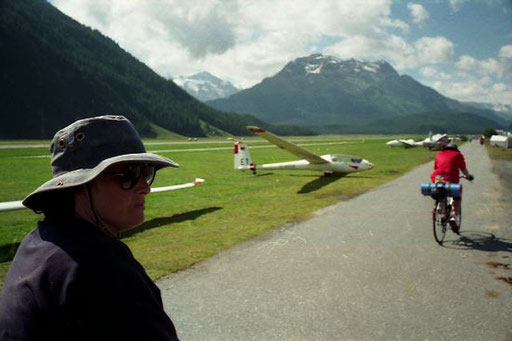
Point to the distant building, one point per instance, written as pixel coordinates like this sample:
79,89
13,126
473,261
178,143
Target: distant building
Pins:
504,133
501,141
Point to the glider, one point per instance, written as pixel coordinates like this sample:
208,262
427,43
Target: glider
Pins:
17,205
437,141
331,163
404,143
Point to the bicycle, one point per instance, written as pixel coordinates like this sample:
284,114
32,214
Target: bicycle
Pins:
443,193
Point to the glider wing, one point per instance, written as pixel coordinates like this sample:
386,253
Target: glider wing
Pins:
288,146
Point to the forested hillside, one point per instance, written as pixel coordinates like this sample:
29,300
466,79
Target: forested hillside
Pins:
54,70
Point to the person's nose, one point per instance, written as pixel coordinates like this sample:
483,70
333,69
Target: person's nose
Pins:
142,186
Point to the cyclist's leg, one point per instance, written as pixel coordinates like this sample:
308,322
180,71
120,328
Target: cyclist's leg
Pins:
455,215
456,206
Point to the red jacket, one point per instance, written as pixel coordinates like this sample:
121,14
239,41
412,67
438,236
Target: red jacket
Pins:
447,163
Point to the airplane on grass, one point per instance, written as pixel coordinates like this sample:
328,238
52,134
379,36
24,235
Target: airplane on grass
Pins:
404,143
329,164
436,141
17,205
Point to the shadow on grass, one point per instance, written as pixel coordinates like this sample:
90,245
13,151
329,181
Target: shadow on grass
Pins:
478,240
176,218
264,174
336,175
8,251
319,183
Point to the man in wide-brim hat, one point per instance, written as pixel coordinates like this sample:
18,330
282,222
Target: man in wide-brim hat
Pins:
72,278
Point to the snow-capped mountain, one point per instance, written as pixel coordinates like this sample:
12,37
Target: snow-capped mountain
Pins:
330,94
204,86
318,64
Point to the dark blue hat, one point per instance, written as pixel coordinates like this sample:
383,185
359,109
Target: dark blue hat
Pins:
84,149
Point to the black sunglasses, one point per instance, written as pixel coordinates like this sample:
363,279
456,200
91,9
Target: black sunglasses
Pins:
131,174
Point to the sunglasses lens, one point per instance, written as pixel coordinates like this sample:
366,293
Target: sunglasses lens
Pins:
132,175
149,174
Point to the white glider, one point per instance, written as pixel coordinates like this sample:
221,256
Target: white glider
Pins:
331,163
17,205
196,182
404,143
11,205
436,141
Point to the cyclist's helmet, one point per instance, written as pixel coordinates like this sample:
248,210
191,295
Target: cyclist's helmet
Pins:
451,146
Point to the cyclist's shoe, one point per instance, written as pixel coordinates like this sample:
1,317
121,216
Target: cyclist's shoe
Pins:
454,224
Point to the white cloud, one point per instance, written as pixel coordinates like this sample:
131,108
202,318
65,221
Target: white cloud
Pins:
506,51
431,72
466,63
475,81
499,87
491,66
501,93
428,72
488,66
470,91
433,50
455,5
418,12
239,40
396,50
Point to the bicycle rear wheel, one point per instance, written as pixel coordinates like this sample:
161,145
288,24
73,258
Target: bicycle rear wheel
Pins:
439,221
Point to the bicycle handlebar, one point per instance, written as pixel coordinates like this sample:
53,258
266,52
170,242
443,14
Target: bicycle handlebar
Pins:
470,178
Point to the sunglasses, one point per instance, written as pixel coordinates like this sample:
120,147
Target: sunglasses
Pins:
131,174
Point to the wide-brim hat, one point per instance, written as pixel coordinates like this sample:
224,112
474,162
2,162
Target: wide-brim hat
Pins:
87,147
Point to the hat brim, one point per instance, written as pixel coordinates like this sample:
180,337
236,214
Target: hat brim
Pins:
82,176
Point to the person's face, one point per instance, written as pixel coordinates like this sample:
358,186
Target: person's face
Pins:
120,208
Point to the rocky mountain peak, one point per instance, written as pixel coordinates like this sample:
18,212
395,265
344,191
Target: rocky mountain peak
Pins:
205,86
318,64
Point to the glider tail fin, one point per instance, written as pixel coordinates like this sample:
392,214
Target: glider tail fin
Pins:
243,159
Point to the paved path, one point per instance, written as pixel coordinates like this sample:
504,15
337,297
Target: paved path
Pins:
364,269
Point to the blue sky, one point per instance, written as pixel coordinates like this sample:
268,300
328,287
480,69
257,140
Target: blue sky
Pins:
462,48
478,28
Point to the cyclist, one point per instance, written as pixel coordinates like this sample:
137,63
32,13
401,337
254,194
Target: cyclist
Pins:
447,164
481,139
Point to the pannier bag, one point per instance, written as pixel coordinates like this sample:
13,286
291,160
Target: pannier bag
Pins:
432,188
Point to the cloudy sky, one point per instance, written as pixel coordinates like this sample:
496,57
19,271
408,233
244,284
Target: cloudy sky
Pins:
462,48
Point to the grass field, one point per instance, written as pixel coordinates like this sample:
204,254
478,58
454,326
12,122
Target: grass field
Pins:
186,226
499,153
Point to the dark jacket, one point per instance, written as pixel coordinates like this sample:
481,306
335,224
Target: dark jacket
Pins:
69,281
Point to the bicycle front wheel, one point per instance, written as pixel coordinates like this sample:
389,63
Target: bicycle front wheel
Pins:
440,221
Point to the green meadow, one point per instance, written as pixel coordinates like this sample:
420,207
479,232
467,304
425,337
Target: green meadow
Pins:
499,153
186,226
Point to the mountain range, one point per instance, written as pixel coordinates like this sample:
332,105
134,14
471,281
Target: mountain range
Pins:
331,95
206,87
502,110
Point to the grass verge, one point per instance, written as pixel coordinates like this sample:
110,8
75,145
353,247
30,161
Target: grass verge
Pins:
499,153
186,226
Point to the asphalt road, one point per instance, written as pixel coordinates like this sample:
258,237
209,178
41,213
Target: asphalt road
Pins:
363,269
